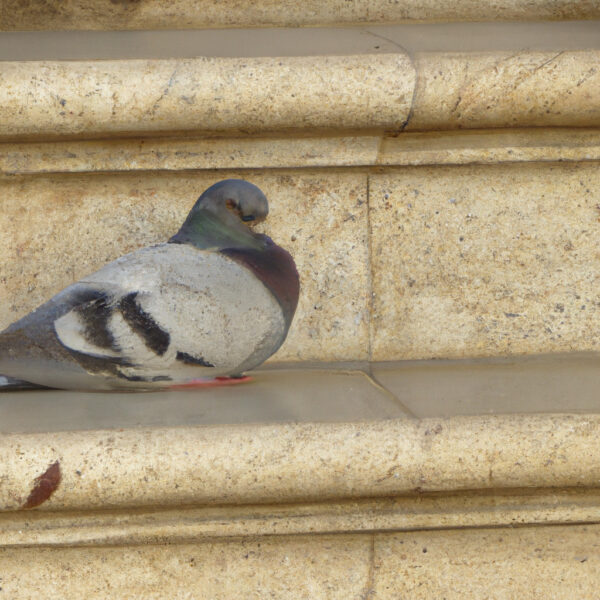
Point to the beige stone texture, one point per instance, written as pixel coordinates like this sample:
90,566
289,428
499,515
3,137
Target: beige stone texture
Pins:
180,154
104,98
402,513
485,260
490,146
286,568
559,383
58,229
428,248
413,148
525,563
513,290
252,95
276,463
324,392
180,14
506,89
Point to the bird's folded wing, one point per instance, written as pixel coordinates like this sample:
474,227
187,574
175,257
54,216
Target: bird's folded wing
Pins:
114,327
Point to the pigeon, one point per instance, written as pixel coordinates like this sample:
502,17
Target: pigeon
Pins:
214,301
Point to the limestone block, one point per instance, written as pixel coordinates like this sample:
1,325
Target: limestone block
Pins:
204,95
485,260
181,14
506,89
278,463
459,563
287,568
57,229
525,563
471,563
266,95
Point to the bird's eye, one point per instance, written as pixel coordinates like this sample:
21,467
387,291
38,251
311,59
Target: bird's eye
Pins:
248,218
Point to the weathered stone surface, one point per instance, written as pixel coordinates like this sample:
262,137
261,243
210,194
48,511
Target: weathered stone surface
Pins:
180,14
408,512
525,562
287,568
49,99
461,261
506,89
495,563
485,260
490,146
183,153
361,92
277,463
411,148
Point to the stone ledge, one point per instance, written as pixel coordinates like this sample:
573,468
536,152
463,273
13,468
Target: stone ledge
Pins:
182,14
281,463
134,97
324,93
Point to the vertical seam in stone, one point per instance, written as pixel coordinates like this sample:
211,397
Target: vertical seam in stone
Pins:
370,274
370,587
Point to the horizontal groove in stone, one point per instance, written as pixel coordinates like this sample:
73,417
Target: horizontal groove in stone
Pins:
411,148
403,513
490,146
182,14
175,154
300,462
299,41
103,98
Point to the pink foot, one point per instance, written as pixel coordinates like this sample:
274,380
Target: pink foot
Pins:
211,382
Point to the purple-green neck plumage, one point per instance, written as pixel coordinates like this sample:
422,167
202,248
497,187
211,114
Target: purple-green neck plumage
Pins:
217,222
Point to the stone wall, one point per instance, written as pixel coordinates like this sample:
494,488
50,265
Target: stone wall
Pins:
446,244
439,204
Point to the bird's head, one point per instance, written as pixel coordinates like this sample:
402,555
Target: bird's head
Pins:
220,215
242,198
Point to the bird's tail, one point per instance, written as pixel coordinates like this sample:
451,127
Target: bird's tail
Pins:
9,384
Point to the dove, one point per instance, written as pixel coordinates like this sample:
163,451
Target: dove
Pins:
213,302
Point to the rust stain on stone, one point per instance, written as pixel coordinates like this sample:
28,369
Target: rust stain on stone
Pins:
44,486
